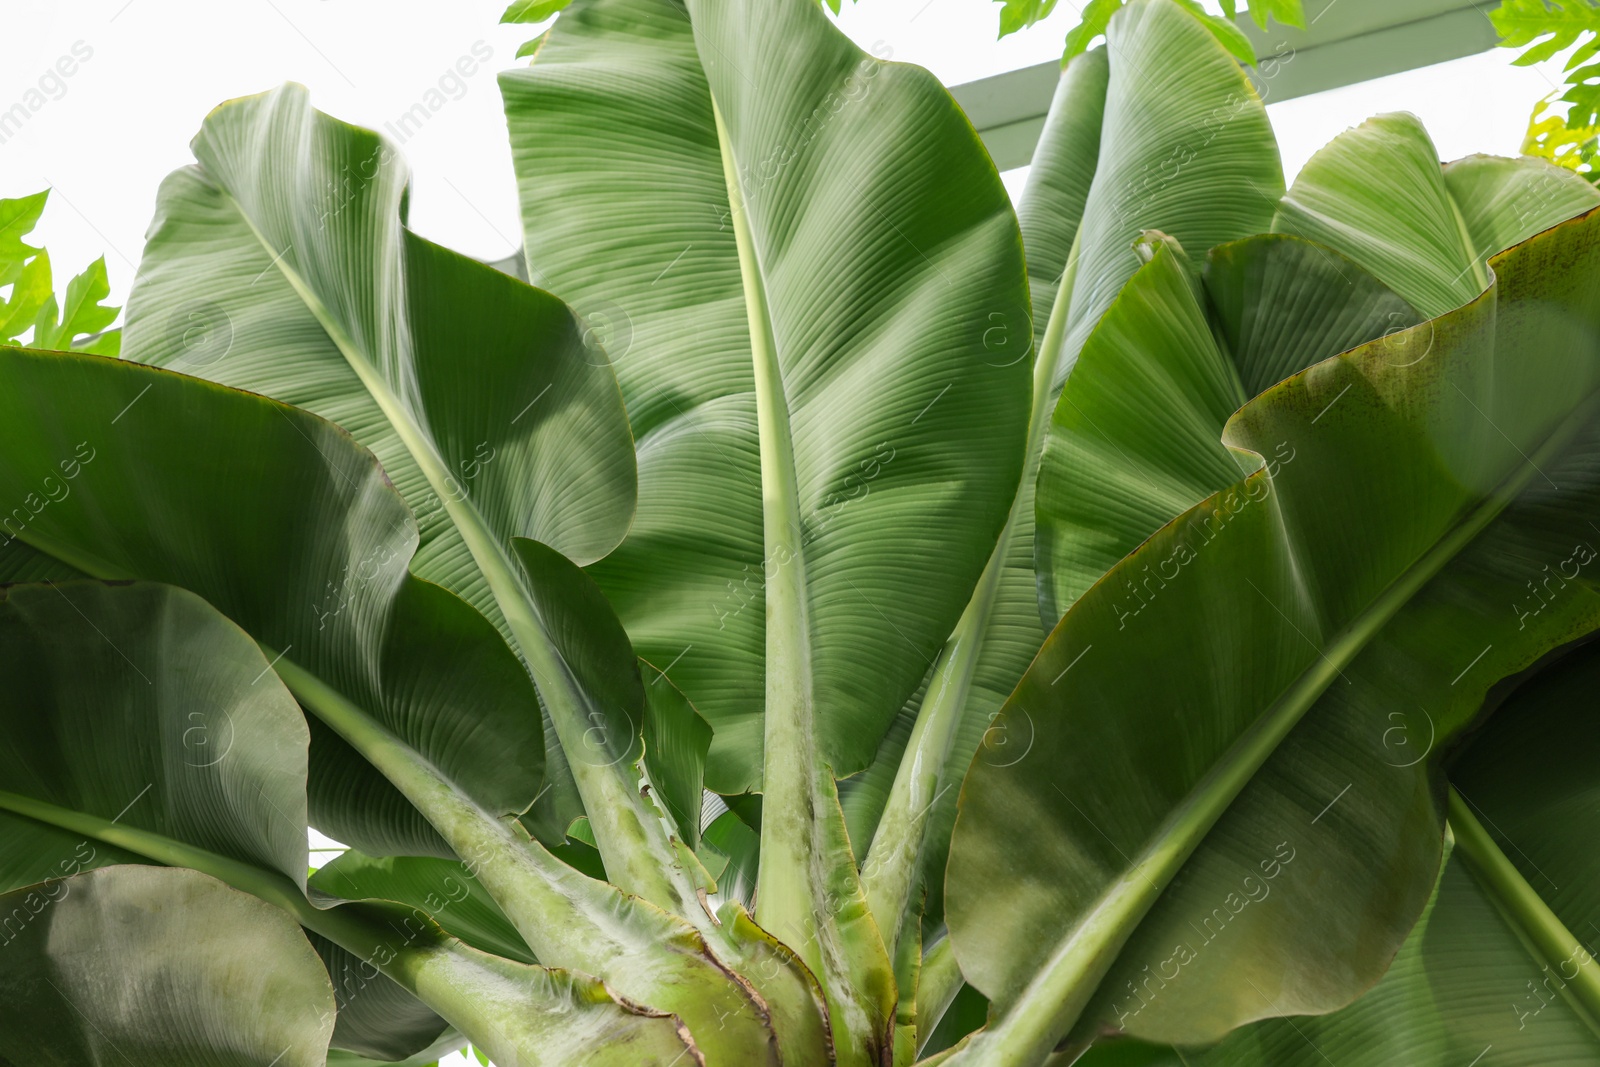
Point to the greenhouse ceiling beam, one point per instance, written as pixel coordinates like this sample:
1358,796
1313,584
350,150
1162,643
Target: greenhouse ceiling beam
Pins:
1344,42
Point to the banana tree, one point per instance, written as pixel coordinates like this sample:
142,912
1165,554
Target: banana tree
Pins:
491,581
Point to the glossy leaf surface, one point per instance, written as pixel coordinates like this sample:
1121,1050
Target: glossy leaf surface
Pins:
1377,194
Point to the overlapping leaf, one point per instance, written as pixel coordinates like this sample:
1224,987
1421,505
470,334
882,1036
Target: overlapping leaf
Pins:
150,967
148,474
141,707
138,705
1136,436
280,265
999,632
139,680
1076,176
1376,194
1487,973
1188,151
1232,771
618,102
808,270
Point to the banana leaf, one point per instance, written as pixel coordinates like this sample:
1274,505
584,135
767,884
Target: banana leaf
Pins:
1377,194
808,268
155,967
1293,612
1500,967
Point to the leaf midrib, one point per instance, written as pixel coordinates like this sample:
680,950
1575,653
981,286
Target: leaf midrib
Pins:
1479,268
1542,933
272,886
783,894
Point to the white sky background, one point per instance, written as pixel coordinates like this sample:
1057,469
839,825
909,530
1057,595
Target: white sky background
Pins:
123,120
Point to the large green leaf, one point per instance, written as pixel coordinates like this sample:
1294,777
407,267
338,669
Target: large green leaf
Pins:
1377,194
149,967
193,477
147,474
1279,304
905,802
140,705
1136,436
1112,473
1186,149
291,227
1499,967
487,403
1082,173
613,123
808,266
1062,170
112,683
806,240
1366,576
294,221
498,418
617,103
1125,457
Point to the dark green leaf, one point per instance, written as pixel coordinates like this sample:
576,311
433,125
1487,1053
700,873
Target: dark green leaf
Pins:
153,967
1367,574
1471,982
140,704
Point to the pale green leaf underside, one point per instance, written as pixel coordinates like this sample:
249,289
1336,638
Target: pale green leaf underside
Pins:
1378,194
877,332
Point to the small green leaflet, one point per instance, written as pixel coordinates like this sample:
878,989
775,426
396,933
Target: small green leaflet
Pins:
1020,14
532,10
1287,12
1543,28
78,323
1548,26
523,11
